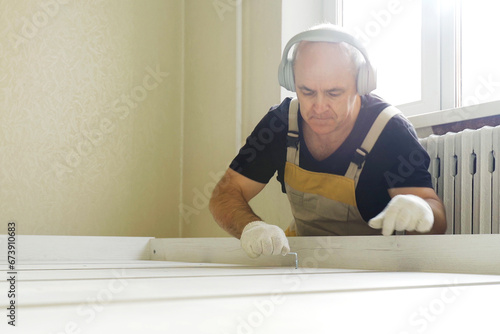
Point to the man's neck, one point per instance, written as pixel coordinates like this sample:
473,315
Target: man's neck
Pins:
322,146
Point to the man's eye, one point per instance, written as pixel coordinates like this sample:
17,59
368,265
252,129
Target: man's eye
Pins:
307,93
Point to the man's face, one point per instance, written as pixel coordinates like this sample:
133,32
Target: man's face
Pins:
326,86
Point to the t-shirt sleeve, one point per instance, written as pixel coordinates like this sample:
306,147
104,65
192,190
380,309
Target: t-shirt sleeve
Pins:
406,162
265,148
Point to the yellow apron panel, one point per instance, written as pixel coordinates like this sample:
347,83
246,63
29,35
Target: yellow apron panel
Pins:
335,187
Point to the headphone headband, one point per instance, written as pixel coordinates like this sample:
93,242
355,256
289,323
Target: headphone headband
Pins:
366,77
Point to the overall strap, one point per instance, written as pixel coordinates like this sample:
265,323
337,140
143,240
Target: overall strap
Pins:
292,139
378,126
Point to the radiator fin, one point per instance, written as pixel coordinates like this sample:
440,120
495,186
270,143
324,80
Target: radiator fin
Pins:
495,182
465,174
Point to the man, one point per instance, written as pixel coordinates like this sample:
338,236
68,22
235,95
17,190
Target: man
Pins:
349,163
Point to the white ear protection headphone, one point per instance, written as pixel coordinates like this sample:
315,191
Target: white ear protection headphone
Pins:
366,77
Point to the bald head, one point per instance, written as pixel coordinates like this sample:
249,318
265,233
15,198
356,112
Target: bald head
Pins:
345,54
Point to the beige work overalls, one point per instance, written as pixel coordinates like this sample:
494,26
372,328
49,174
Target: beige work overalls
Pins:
325,204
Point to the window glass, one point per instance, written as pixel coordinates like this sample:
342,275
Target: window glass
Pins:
480,52
391,31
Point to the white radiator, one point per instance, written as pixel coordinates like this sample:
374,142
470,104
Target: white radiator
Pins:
466,176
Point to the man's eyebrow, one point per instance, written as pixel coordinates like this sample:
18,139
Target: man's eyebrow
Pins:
335,90
302,87
331,90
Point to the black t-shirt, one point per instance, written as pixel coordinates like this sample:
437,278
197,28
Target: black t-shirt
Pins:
396,160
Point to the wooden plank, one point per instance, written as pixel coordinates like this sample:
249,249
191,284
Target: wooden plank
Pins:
146,269
101,265
159,269
475,254
444,253
121,288
70,248
387,303
429,310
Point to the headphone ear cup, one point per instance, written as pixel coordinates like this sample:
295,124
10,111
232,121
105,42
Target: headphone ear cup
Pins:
367,79
372,78
288,76
362,81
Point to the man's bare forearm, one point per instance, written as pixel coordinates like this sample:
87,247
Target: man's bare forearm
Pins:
230,209
439,226
437,207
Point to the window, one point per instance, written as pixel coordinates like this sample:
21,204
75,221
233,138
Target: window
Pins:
451,62
430,55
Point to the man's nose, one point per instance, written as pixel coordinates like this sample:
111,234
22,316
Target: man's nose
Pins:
320,103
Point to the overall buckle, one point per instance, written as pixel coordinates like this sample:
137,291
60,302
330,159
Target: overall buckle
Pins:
292,139
359,157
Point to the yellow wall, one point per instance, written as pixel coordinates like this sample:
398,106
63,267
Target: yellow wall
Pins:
93,143
89,139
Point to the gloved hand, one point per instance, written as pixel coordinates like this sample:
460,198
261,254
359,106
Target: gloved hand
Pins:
260,238
404,213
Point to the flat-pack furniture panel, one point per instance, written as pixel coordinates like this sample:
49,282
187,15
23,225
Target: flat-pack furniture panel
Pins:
181,297
71,248
476,254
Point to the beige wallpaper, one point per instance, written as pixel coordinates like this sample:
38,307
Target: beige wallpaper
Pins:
262,55
210,104
117,117
90,101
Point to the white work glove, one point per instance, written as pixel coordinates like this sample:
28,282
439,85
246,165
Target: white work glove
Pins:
259,238
404,213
